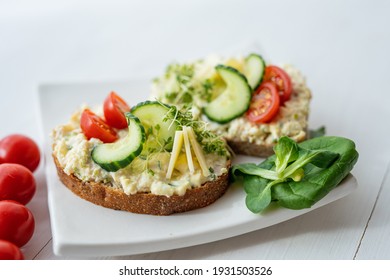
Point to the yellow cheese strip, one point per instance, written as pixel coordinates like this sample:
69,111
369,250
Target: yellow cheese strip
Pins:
198,152
188,150
177,144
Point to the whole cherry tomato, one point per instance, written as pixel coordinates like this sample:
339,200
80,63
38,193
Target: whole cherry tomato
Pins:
16,183
17,148
16,222
9,251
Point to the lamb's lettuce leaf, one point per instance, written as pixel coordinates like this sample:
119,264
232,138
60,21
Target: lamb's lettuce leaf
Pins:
298,175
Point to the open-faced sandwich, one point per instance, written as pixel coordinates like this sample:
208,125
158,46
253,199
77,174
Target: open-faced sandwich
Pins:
251,104
152,159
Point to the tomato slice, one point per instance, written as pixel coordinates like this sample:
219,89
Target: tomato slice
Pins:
95,127
114,111
281,79
264,104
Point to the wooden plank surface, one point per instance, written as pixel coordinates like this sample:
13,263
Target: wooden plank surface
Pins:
375,244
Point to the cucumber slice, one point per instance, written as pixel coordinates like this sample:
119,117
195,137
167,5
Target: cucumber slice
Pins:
151,115
233,101
117,155
254,70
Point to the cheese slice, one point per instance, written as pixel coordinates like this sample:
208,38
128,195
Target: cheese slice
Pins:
176,149
198,152
187,147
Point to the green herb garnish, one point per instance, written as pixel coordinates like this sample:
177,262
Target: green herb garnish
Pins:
186,89
210,142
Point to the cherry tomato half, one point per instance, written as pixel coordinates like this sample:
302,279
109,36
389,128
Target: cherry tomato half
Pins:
95,127
264,104
9,251
17,148
281,79
16,183
16,222
114,111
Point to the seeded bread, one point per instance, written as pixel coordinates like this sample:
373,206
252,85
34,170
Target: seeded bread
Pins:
145,203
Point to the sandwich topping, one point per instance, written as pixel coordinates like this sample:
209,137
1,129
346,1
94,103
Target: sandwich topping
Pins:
240,97
291,119
149,156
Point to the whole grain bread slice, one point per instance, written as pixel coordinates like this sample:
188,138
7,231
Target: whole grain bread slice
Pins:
250,149
254,149
145,203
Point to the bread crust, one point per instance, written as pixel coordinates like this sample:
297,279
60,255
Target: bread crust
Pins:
253,149
144,203
250,149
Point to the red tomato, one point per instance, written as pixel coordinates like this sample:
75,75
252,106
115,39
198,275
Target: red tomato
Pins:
9,251
16,222
264,104
20,149
114,111
281,79
16,183
95,127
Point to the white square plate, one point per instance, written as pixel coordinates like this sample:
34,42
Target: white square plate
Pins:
81,228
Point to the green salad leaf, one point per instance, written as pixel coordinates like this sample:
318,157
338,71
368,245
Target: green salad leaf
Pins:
298,175
286,151
321,131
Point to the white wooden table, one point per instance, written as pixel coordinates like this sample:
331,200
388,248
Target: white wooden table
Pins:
341,46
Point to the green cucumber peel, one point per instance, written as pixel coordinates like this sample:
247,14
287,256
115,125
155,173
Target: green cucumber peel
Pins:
117,155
